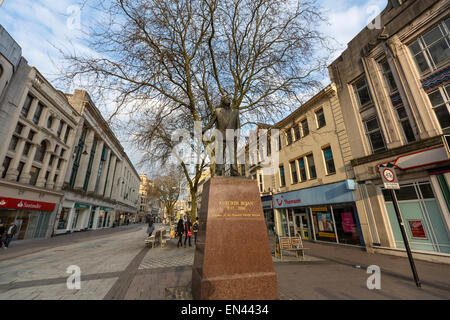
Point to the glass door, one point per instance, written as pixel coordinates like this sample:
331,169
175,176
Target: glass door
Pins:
302,225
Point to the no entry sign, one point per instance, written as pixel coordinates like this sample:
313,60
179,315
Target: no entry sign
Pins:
389,178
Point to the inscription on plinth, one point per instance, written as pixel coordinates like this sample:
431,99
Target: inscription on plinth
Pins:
232,258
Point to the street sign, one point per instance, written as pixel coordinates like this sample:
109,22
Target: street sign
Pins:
389,178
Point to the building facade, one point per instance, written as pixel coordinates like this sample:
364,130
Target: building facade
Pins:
38,129
101,185
393,85
312,193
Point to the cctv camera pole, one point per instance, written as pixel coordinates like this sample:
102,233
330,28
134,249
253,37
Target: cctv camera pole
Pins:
405,238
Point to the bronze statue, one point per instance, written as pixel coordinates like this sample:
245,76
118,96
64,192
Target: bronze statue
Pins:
224,118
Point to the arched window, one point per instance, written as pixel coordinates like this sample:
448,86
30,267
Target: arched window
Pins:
40,152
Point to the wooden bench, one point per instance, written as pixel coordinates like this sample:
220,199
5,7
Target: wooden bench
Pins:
292,244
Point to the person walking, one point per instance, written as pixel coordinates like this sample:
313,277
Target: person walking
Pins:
10,234
150,228
188,230
2,231
195,230
180,231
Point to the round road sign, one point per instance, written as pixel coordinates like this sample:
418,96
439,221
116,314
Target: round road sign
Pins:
389,175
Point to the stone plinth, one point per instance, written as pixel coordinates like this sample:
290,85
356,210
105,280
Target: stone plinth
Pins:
232,260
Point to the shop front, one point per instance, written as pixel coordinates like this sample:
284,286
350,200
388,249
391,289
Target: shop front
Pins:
324,213
32,218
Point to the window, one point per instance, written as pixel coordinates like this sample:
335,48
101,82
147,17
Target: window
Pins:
374,135
279,142
297,132
305,128
26,148
311,166
6,164
400,109
320,118
31,135
294,172
52,158
19,128
440,100
13,143
20,169
1,70
66,135
329,162
261,187
282,178
301,165
37,113
432,50
289,136
58,132
27,105
40,152
34,172
362,92
243,170
49,122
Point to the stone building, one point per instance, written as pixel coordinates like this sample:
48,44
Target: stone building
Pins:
37,130
144,200
312,190
101,185
393,84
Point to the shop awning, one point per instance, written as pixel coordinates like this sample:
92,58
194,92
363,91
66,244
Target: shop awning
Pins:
422,158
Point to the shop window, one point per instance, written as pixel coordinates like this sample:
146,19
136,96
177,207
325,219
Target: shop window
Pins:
305,128
323,224
346,225
427,191
329,161
320,116
362,93
440,100
294,172
27,105
282,177
311,166
62,222
301,165
374,134
432,50
34,172
404,194
37,113
6,164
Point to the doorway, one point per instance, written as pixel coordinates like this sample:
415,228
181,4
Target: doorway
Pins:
302,224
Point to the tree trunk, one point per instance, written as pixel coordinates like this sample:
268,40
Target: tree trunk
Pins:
193,203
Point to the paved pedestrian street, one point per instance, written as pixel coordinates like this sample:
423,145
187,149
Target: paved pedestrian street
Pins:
118,265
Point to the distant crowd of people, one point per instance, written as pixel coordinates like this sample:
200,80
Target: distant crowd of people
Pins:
184,227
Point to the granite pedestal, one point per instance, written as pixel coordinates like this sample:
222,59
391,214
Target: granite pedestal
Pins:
232,259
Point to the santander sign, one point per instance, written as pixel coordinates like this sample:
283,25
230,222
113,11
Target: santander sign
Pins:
13,203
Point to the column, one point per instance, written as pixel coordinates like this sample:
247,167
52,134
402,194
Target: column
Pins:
25,176
81,174
50,183
101,185
117,183
41,178
62,170
66,171
63,131
95,166
109,184
43,118
12,172
55,124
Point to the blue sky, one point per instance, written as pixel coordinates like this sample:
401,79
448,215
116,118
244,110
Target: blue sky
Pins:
40,26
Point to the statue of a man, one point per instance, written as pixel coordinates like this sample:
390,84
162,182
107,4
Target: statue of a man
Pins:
224,118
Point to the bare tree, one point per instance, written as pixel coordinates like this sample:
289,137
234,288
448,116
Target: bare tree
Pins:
169,62
167,188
